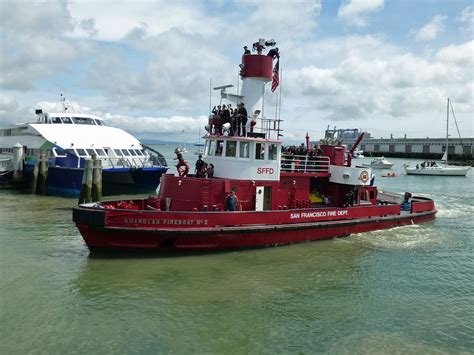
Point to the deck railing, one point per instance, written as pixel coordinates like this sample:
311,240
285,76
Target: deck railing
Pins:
304,164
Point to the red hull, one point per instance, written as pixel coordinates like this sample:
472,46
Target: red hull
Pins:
237,237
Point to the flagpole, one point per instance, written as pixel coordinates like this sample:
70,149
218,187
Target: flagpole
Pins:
210,93
279,104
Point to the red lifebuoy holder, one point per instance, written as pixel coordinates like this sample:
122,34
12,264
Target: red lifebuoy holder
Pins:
257,66
364,176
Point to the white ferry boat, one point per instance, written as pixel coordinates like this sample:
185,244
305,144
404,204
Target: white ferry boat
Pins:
69,139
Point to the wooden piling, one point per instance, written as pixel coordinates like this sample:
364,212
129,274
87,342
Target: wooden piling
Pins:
34,179
42,187
97,181
86,188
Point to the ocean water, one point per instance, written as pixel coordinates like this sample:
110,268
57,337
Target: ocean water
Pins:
404,290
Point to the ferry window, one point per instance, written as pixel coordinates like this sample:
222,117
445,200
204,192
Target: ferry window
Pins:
244,149
81,152
66,120
125,152
118,152
57,153
71,151
230,148
83,120
100,152
91,152
219,147
56,120
139,152
98,122
272,152
259,151
132,152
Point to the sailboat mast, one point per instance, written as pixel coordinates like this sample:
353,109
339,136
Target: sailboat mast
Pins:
447,134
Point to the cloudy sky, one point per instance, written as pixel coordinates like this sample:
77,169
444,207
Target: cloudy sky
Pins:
384,66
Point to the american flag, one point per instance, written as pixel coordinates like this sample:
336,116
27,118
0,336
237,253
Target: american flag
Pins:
276,76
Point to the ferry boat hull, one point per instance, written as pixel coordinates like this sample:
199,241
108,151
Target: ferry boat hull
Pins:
67,181
104,228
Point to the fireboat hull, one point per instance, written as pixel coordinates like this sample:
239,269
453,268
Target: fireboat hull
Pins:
98,235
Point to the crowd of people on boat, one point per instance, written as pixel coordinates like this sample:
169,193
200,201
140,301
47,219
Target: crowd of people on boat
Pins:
426,164
202,169
229,120
300,158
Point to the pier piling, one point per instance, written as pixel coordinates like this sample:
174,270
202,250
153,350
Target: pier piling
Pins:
17,161
42,187
86,188
97,180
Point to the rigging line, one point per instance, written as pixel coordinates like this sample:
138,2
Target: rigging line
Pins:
455,121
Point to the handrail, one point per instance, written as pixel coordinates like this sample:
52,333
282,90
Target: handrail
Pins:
304,164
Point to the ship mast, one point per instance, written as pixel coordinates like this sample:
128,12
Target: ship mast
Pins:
447,134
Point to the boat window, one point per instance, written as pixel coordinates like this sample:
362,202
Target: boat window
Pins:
139,152
125,152
272,152
83,120
91,152
118,152
244,149
219,147
67,120
210,147
230,148
56,120
144,152
132,151
98,122
259,151
71,151
100,152
81,152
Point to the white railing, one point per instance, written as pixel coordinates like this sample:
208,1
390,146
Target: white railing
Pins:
304,164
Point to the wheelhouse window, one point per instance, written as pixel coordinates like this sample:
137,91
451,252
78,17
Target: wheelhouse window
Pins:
139,152
66,120
56,120
259,151
132,152
91,152
58,153
230,148
83,120
71,151
272,152
81,152
99,122
244,150
125,152
210,147
118,152
219,148
101,152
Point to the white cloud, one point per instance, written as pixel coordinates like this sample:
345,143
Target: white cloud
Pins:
430,31
467,19
355,12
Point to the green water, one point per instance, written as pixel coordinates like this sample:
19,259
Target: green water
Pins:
405,290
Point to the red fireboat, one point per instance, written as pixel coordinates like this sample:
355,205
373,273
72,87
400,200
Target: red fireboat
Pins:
260,195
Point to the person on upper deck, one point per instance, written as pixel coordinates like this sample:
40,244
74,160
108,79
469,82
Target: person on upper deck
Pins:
246,50
242,116
274,53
